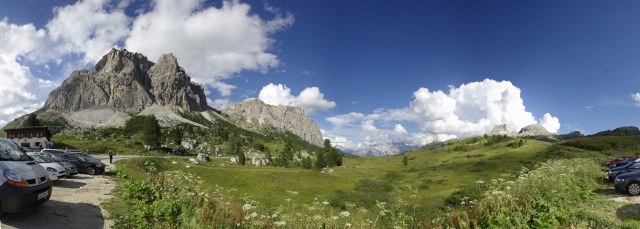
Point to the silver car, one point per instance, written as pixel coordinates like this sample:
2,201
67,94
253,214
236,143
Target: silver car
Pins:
70,168
24,183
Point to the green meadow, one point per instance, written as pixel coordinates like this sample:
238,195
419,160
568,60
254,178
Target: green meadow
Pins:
367,192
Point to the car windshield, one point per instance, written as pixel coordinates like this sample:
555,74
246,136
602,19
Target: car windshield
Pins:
9,151
89,157
84,158
37,158
53,157
46,158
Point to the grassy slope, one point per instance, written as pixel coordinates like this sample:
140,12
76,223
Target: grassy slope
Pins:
446,169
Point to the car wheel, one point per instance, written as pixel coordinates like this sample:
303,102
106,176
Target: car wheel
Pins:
633,188
91,170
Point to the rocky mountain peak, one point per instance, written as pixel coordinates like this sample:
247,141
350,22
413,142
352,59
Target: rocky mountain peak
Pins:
255,115
128,82
167,65
117,61
499,129
534,130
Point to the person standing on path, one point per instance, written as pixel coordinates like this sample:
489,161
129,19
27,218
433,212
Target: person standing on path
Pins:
110,157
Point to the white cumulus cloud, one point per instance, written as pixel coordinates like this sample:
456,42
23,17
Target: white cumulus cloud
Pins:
218,103
470,109
90,28
310,99
552,124
20,91
211,43
636,98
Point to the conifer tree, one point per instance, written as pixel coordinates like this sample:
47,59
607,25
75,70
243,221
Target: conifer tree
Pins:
320,163
33,120
151,131
241,158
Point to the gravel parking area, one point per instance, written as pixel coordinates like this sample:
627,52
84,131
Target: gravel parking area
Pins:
75,203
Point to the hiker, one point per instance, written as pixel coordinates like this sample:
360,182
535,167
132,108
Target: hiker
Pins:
110,157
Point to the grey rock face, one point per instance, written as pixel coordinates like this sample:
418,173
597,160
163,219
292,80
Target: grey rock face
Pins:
499,129
257,116
128,82
534,130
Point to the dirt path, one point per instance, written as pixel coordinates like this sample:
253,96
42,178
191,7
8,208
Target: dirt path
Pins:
75,203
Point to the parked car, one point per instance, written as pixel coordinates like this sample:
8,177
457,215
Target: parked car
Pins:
628,183
25,184
56,152
620,163
84,164
68,166
629,167
618,159
56,171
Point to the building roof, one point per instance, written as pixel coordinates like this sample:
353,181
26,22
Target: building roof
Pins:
28,130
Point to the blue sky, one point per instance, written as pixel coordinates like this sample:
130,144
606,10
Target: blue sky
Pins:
368,72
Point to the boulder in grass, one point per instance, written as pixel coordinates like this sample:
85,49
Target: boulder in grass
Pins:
203,157
193,161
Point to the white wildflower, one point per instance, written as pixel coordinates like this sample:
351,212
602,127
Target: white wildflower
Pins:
344,214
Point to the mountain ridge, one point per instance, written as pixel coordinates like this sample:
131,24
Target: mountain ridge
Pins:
123,84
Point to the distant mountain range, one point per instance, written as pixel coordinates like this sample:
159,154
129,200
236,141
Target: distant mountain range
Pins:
380,150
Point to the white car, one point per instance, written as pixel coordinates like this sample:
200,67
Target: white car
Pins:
56,171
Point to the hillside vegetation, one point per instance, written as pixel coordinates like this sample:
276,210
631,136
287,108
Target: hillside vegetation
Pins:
436,188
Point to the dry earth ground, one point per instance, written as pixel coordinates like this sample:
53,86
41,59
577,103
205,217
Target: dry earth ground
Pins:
75,203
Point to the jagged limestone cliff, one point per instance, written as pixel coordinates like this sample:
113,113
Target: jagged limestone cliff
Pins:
128,82
257,116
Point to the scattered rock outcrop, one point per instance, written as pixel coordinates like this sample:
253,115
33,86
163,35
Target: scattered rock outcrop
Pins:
257,116
203,157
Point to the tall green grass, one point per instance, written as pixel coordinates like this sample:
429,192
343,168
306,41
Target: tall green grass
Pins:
555,194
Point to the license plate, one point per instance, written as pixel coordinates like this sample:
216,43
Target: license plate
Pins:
43,195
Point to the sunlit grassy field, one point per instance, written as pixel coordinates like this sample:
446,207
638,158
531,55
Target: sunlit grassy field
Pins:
434,174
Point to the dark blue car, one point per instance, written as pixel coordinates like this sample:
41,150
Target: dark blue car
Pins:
629,167
628,183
